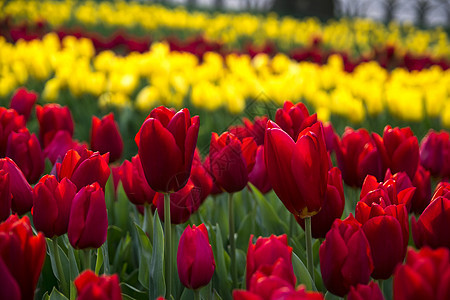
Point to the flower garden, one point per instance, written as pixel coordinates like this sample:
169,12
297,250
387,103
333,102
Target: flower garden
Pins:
154,152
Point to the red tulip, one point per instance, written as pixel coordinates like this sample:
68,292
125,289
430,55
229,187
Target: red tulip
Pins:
195,259
23,101
293,119
52,118
431,229
425,275
88,222
255,129
166,143
332,208
51,205
10,121
279,292
267,252
134,183
331,137
22,257
435,153
105,137
60,144
231,161
90,286
298,171
258,176
25,150
5,196
215,189
22,194
84,169
358,156
422,195
365,292
201,178
345,257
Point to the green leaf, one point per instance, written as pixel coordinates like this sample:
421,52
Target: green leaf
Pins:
221,269
246,228
157,280
145,254
99,262
302,274
63,258
121,208
107,267
45,296
73,266
330,296
56,295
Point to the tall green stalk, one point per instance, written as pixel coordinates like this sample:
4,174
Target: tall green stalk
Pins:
309,251
59,268
168,246
232,241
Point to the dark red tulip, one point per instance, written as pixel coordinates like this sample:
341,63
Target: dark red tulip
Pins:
267,252
345,257
25,150
431,229
10,121
357,156
195,259
365,292
88,222
278,291
52,118
231,161
298,171
5,196
166,143
105,137
21,191
425,275
201,178
183,203
293,119
134,183
215,189
90,286
435,153
332,207
258,176
331,137
422,195
22,256
255,129
84,169
23,101
60,144
401,150
51,205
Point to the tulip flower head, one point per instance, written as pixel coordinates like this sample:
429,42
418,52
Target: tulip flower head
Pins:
90,286
23,101
105,137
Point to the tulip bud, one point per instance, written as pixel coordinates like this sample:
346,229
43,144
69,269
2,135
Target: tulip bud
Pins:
60,144
10,121
166,143
294,118
258,176
195,259
52,118
435,152
88,222
51,205
90,286
105,137
365,292
25,150
5,196
425,275
23,101
345,257
22,257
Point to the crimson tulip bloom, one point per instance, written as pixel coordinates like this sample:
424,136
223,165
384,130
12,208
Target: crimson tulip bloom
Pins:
88,222
90,286
201,178
274,289
84,169
195,259
166,143
267,252
51,205
425,275
293,119
134,183
422,195
25,150
255,129
21,191
345,257
258,176
5,196
431,229
358,156
10,121
60,144
23,101
332,208
105,137
52,118
231,161
298,171
22,257
435,153
365,292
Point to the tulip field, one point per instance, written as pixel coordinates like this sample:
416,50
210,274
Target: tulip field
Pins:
155,152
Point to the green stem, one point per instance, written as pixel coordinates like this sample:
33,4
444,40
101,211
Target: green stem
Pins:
197,294
291,225
309,250
168,245
380,284
87,259
59,268
232,242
